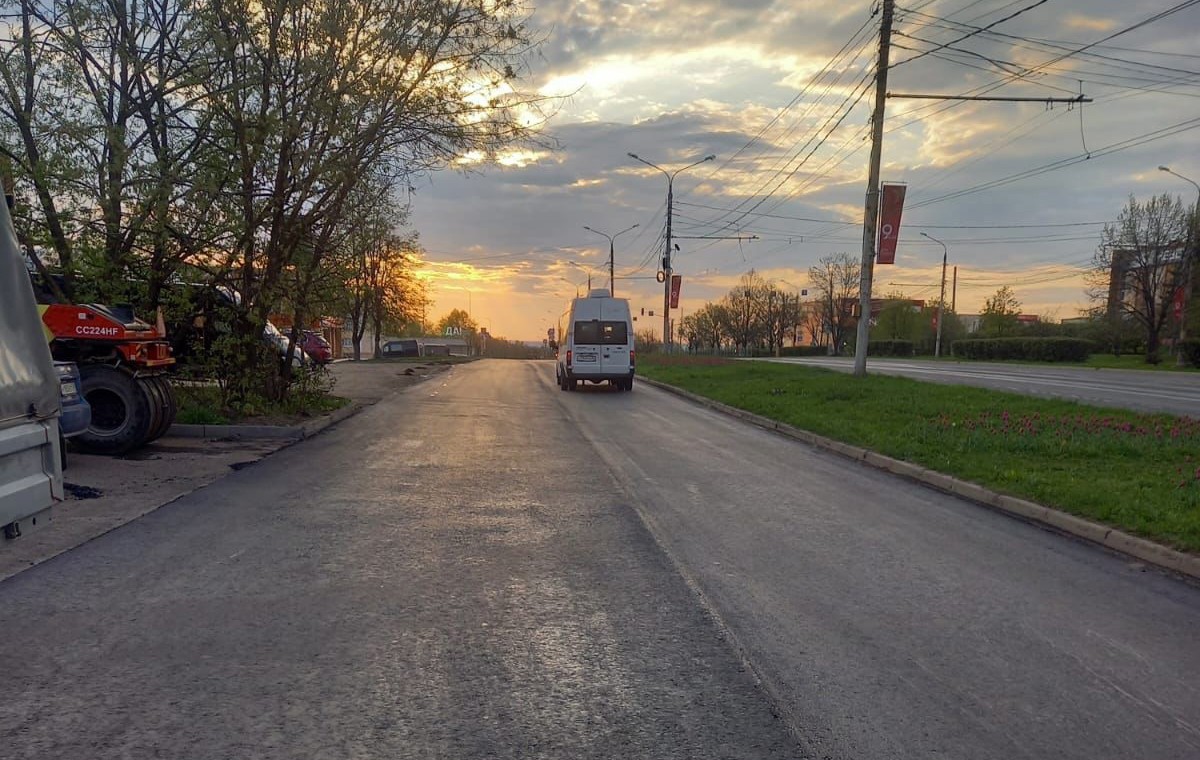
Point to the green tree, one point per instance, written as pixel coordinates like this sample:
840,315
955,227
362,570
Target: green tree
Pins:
457,323
1000,312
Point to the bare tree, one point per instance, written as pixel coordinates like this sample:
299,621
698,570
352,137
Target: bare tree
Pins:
836,279
1137,270
745,310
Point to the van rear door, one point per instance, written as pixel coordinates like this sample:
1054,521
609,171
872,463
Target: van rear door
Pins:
587,347
614,357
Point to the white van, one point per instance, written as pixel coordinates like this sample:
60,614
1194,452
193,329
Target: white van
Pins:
596,343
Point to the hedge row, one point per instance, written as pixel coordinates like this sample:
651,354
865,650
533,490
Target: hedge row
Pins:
1027,349
1191,351
802,351
890,348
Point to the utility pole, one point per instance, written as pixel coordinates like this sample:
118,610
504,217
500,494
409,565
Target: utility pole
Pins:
937,343
954,292
871,215
666,260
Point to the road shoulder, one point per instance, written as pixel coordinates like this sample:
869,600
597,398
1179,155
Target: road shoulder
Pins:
1115,540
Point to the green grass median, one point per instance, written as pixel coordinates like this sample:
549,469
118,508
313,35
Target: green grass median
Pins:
1136,472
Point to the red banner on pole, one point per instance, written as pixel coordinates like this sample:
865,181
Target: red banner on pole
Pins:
1178,304
891,207
676,282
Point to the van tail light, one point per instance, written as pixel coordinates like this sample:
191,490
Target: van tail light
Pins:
631,357
569,352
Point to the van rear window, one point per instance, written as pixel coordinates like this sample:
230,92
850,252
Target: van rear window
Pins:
602,333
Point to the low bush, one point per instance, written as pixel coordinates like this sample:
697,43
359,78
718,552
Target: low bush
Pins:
1191,351
1024,349
890,348
804,351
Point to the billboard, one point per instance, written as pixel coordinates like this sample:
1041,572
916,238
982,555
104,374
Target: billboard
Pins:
891,207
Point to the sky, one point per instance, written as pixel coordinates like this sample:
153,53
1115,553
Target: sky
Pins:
780,92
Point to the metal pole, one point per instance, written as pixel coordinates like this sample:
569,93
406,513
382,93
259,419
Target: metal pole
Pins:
666,262
612,278
1193,245
937,343
666,265
954,292
871,215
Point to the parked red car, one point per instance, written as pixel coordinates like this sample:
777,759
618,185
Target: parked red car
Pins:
317,347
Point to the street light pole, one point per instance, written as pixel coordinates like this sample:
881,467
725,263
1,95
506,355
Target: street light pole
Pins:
612,278
1192,253
937,344
666,262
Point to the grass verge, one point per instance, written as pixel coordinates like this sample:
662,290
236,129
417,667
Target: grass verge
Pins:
1137,472
201,405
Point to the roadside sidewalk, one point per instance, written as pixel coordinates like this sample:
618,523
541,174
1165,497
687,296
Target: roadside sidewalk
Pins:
104,493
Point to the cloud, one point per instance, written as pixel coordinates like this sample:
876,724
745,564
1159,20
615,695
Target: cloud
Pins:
674,83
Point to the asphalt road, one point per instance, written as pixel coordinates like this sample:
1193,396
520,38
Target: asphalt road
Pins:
1145,391
490,567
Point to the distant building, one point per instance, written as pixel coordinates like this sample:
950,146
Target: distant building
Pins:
1130,275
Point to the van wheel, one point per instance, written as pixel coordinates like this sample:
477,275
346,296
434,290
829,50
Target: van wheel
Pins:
562,382
572,383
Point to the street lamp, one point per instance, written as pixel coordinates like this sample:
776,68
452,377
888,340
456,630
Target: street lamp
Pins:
937,344
666,262
612,280
575,284
1193,245
586,269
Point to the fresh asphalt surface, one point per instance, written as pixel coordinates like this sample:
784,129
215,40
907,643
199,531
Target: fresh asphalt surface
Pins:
1140,390
465,570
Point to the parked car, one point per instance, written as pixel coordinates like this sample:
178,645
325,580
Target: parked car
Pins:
315,345
406,347
273,336
76,411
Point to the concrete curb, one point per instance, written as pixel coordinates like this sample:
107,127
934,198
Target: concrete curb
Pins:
267,432
1110,538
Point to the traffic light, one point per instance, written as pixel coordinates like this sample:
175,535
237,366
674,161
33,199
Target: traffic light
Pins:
643,311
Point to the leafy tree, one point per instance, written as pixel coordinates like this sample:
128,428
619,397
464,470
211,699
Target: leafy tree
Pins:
1000,313
229,139
1137,269
457,322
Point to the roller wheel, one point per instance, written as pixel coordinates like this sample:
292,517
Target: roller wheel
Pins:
121,411
162,404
